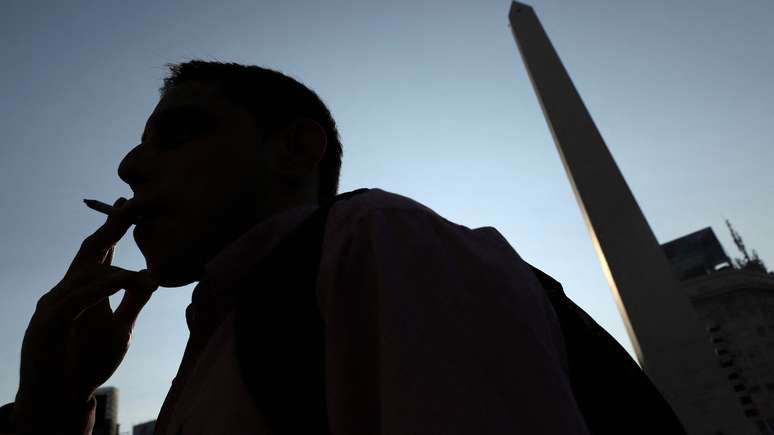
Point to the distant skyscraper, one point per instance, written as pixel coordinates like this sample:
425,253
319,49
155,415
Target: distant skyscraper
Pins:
662,325
106,422
147,428
735,304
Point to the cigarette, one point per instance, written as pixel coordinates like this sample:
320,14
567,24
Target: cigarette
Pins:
99,206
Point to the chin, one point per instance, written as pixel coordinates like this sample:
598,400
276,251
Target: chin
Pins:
170,273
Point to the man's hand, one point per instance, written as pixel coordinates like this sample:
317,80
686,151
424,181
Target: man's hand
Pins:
75,341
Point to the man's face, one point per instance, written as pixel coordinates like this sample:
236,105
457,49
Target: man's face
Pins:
200,177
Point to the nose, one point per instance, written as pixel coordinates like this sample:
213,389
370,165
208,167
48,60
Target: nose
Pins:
132,169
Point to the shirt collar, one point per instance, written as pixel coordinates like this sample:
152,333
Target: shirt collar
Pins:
242,255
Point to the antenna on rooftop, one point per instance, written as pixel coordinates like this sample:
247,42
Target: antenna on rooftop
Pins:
738,241
753,261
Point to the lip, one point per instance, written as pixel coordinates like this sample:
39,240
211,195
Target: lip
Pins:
146,219
143,211
145,230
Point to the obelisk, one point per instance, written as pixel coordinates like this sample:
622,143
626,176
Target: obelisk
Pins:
669,341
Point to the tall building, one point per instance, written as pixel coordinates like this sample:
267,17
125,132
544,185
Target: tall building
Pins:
734,301
662,324
106,421
147,428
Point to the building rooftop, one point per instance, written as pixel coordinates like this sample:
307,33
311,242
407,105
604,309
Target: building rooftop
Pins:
696,254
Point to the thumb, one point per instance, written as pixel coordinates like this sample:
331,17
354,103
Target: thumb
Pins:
137,294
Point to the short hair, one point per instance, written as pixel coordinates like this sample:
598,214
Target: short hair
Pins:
274,100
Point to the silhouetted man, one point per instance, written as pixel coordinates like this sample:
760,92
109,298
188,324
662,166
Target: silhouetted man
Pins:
370,314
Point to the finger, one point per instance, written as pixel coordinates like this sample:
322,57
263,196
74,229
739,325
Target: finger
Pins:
96,316
108,259
74,303
110,254
95,246
85,297
79,277
133,302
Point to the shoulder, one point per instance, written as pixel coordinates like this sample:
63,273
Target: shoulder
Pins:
375,201
376,214
391,218
372,214
378,207
404,248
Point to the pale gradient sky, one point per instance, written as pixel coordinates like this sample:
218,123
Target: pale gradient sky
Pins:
433,102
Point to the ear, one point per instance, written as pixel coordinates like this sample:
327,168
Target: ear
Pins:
302,149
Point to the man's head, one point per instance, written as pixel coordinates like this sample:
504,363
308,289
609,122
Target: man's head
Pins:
227,146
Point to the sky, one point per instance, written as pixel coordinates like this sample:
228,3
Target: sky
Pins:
432,101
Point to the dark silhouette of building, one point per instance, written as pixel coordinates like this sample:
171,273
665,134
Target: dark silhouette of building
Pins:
696,254
147,428
106,421
734,301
